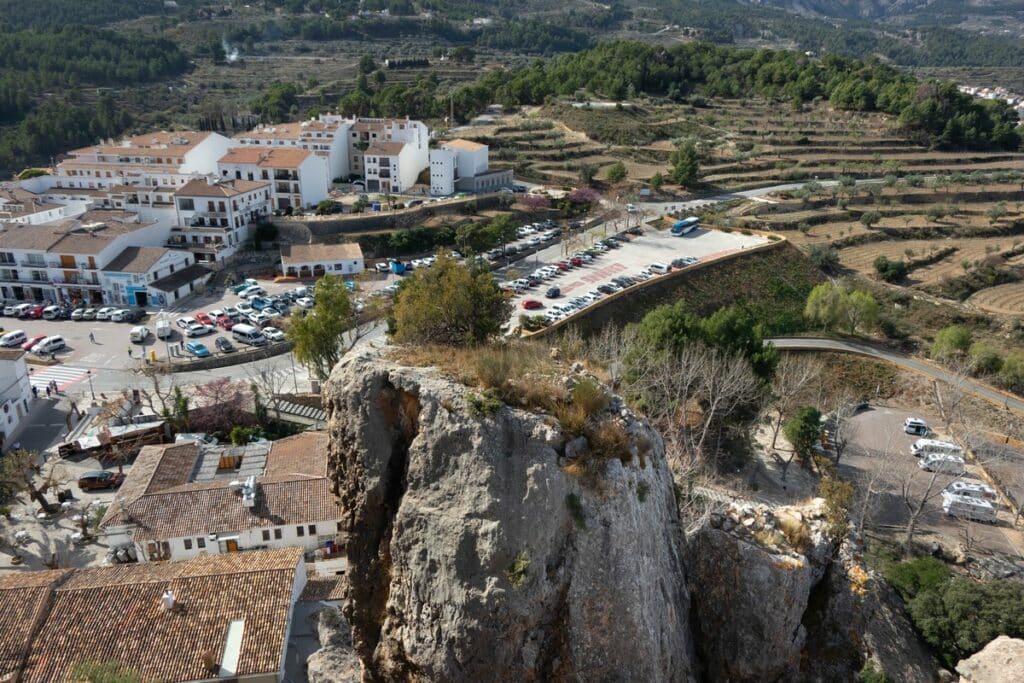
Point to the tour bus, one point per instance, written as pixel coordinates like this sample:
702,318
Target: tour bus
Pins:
247,334
966,507
923,447
686,225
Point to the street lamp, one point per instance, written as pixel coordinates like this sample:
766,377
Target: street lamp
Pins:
88,373
167,344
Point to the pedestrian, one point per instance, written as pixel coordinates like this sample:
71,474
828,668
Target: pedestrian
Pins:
92,338
35,391
181,345
129,352
48,389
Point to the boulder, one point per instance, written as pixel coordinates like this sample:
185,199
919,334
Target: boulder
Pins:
335,661
473,556
1001,661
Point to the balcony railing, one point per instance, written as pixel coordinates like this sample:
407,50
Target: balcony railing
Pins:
32,264
285,175
75,282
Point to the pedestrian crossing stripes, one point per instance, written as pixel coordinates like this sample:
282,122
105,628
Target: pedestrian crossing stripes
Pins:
63,375
298,410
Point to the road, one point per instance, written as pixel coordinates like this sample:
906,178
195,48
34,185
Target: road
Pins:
972,386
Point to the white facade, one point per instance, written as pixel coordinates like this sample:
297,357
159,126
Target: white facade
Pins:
442,172
326,135
413,159
307,261
299,178
15,394
215,217
130,284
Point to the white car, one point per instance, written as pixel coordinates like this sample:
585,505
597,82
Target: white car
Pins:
250,292
304,302
244,307
138,334
215,313
105,313
273,334
258,318
229,311
198,329
184,323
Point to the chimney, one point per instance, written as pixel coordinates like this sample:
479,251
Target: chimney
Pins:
167,600
210,180
210,664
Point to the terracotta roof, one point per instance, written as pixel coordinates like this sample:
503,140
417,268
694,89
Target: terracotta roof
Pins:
274,157
181,277
136,260
386,149
289,131
323,588
224,188
160,500
114,614
313,253
11,354
465,145
160,143
85,234
23,600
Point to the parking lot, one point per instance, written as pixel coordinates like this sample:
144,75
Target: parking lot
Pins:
578,285
880,449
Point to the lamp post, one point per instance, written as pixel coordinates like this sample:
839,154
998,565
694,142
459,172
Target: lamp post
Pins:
167,344
88,373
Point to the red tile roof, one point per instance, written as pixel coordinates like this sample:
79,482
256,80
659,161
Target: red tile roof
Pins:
23,600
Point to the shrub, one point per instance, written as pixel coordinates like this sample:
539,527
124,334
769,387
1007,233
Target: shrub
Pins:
517,572
838,495
889,270
483,405
870,674
824,257
616,172
1011,374
985,358
916,575
950,342
589,396
572,501
609,439
494,367
573,418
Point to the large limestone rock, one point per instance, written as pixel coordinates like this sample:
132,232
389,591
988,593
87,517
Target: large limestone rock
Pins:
1001,661
475,556
335,661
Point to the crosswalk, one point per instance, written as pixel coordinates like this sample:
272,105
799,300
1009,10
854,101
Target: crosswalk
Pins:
307,412
63,375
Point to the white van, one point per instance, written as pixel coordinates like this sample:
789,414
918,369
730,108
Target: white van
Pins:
21,310
254,290
659,268
976,491
49,345
915,426
965,507
923,447
13,338
163,329
946,464
247,334
51,312
139,334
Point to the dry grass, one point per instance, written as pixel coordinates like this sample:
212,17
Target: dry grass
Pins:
609,439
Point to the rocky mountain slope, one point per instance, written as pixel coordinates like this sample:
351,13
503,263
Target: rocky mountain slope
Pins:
478,552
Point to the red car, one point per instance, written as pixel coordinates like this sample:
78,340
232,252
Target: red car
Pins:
226,322
576,261
34,312
32,341
531,304
204,319
563,265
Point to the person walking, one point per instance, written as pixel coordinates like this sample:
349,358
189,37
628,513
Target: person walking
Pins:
130,352
35,391
48,390
92,338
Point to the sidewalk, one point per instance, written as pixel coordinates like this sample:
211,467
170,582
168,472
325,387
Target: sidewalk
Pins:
43,427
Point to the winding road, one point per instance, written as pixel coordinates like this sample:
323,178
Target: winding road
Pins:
972,386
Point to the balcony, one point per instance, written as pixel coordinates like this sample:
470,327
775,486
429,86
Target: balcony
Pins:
9,276
32,264
285,175
76,281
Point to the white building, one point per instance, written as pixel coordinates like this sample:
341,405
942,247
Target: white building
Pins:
442,172
326,136
15,394
299,178
183,500
215,217
61,262
140,276
18,205
307,261
412,134
391,167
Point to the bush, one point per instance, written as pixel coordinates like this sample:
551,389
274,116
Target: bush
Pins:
913,576
610,440
589,396
889,270
494,367
950,342
572,501
517,573
572,417
1011,374
484,405
803,431
870,674
616,172
838,495
985,358
824,257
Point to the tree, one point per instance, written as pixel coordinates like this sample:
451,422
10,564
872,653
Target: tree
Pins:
830,305
366,64
870,218
952,341
794,375
221,404
21,473
823,256
616,172
269,381
449,303
657,180
685,164
936,213
586,173
327,206
890,270
1011,374
996,212
803,431
329,330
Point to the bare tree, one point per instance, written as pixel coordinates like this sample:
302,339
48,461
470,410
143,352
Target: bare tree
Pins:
840,426
950,398
269,380
870,483
156,390
915,499
793,376
20,472
609,347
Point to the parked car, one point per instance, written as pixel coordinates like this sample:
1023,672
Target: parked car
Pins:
223,345
532,304
553,293
89,314
305,302
184,323
198,329
52,313
138,335
31,342
104,313
248,282
915,426
49,345
244,308
250,292
226,322
259,302
197,349
77,313
229,310
11,308
273,334
13,339
34,312
99,480
127,315
204,319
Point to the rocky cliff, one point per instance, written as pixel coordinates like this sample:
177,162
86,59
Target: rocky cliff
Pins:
478,552
475,556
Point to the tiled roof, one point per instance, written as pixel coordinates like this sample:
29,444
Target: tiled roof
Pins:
323,588
136,259
275,157
11,353
223,188
159,500
465,145
23,600
160,143
114,614
289,131
312,253
170,283
385,149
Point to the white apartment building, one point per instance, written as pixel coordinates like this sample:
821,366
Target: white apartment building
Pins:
326,136
61,261
390,167
442,172
18,205
412,134
215,217
15,394
462,165
144,170
299,178
183,500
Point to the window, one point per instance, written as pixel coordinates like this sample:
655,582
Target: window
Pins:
277,534
266,534
312,529
201,542
188,544
186,204
300,531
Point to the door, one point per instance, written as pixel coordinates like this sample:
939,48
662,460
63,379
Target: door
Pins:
232,545
141,299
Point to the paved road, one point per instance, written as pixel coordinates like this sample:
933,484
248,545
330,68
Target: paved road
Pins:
975,387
